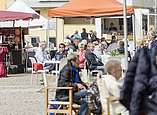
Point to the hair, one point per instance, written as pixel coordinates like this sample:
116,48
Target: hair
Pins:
62,44
81,45
72,56
84,29
112,64
113,40
121,43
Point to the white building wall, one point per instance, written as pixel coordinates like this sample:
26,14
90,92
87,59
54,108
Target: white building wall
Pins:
140,3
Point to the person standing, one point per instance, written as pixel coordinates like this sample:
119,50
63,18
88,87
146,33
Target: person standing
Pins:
84,34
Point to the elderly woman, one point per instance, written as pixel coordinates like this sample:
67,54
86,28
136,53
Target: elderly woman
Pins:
82,55
113,82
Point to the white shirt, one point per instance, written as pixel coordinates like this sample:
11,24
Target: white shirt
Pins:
113,87
41,55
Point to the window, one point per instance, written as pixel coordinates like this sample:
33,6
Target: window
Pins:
52,42
35,41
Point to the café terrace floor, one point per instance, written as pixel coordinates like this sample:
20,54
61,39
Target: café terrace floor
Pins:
19,97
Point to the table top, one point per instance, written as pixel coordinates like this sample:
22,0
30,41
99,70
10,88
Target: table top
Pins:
52,61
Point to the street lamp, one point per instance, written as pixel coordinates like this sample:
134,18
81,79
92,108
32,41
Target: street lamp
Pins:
125,32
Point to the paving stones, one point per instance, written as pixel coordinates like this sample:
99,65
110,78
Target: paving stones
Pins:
19,97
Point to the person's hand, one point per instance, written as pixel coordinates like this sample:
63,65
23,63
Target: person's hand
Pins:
80,86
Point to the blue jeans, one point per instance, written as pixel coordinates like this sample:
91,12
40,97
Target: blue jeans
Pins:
79,99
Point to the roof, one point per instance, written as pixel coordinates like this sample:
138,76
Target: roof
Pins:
41,21
10,16
88,8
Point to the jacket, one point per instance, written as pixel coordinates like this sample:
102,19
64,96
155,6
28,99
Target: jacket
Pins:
92,60
66,79
150,104
140,82
126,91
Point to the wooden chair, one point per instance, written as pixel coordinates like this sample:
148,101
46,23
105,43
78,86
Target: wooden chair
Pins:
67,104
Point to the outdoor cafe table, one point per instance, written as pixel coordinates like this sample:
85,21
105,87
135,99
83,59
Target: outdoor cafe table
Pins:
56,71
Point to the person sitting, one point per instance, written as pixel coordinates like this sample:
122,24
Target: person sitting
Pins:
113,45
61,53
82,52
93,62
84,34
114,77
76,35
42,56
121,50
69,76
112,27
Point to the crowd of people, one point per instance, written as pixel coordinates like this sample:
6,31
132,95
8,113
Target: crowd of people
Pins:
84,53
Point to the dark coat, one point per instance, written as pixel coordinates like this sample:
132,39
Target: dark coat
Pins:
151,97
139,93
65,80
125,94
140,82
58,56
92,60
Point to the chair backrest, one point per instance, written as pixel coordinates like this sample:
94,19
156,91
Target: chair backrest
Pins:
35,66
104,95
33,60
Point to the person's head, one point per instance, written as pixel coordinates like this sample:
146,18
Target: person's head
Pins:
95,42
76,32
73,59
113,67
113,40
121,44
43,45
83,29
61,47
111,24
67,42
81,46
76,41
151,35
91,46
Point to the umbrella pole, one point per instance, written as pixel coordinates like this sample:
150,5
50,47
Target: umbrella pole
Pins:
134,36
125,33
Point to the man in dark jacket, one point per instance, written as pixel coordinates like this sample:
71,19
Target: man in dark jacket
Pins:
84,34
93,62
69,76
61,53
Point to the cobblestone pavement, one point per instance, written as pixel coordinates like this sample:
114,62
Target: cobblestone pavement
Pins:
19,97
